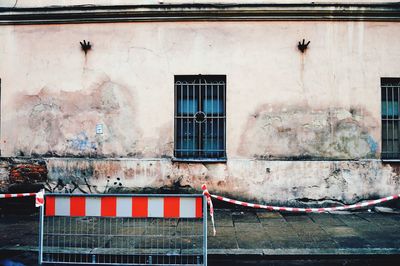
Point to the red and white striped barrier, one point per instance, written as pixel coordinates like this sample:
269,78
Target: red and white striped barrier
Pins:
39,200
124,206
17,195
291,209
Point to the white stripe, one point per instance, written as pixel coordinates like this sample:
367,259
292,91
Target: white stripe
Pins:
124,207
93,206
187,207
62,206
156,207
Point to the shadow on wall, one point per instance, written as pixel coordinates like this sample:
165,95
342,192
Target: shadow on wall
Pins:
301,133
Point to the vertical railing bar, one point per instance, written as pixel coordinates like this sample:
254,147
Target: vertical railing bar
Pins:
205,109
193,120
224,114
201,109
398,124
182,130
175,118
212,120
392,122
41,224
187,121
218,122
387,120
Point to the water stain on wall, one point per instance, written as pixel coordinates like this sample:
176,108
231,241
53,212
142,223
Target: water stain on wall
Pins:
63,123
301,133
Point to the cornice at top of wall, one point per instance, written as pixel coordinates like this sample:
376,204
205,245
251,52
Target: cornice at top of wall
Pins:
178,10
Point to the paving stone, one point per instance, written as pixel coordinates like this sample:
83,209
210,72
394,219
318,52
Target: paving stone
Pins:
240,227
289,244
303,218
341,231
281,232
222,218
273,222
253,240
217,242
325,219
269,215
352,242
245,217
222,231
353,220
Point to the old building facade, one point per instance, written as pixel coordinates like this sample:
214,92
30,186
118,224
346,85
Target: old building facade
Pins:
174,94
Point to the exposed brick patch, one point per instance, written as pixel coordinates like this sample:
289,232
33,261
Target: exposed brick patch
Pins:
28,173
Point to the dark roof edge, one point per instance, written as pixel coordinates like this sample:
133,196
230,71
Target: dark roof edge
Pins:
200,12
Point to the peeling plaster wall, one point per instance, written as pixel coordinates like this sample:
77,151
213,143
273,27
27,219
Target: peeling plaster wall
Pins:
267,181
282,105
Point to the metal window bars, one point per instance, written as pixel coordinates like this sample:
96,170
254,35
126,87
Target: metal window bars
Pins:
390,88
200,108
123,230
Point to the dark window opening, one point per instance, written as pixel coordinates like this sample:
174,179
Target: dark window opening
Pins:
390,88
200,107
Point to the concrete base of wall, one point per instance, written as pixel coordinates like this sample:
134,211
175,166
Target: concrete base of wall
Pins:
280,182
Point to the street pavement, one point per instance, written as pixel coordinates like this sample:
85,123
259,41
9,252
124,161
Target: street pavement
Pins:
246,232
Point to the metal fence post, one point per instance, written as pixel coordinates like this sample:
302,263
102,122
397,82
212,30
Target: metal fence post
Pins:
41,217
204,230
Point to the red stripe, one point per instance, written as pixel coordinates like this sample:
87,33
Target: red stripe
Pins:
199,207
257,206
171,207
77,206
295,209
245,204
140,207
220,198
282,208
321,209
109,206
395,196
270,208
232,201
384,199
7,195
20,195
50,206
308,210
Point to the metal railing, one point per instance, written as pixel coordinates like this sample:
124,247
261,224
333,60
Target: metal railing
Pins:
200,114
123,230
390,93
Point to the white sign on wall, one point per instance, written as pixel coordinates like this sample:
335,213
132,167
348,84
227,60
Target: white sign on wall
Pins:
99,129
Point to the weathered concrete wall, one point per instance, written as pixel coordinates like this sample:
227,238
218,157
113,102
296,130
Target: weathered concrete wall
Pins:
270,181
282,105
54,94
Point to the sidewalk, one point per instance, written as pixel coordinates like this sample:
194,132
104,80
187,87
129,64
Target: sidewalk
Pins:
261,233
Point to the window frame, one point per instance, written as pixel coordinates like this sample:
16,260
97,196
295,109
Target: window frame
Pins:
394,116
190,79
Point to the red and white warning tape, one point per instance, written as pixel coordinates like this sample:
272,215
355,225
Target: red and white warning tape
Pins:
291,209
209,202
39,200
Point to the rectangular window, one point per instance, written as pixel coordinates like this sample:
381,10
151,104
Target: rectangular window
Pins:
390,88
200,117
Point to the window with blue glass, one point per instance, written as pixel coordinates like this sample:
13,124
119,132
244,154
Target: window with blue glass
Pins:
200,107
390,88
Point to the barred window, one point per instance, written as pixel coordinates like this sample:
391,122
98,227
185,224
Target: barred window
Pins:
200,106
390,88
